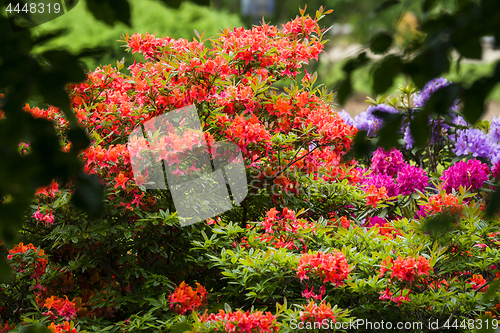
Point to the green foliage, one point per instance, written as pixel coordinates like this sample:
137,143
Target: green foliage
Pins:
85,31
26,76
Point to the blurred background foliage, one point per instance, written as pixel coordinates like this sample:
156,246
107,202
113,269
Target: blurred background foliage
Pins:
352,26
83,30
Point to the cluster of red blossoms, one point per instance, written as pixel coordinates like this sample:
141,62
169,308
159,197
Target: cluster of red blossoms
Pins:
441,201
231,80
404,270
317,313
331,267
64,307
477,282
276,222
65,327
185,298
244,322
39,265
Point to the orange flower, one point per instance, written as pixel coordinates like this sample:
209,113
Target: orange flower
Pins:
375,195
476,281
64,327
317,314
121,180
184,298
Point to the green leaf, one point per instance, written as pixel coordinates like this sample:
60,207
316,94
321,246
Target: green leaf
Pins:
362,146
89,194
110,11
34,329
78,139
473,98
381,43
428,5
442,100
386,5
493,204
419,129
388,135
470,48
384,74
180,328
491,291
439,223
344,90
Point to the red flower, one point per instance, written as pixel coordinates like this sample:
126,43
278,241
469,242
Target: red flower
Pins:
185,298
317,313
244,322
477,281
408,269
121,180
331,267
64,327
65,308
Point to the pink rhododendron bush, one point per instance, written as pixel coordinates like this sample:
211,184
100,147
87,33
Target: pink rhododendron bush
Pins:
320,242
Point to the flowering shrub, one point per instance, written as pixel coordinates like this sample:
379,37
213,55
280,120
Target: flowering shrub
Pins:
320,237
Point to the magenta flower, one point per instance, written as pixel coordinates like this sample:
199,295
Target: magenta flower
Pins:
380,180
387,162
471,175
410,179
374,221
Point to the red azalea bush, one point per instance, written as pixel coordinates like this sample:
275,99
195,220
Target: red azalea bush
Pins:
320,239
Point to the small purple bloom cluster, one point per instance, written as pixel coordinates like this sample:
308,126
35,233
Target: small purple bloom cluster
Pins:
420,98
472,141
367,121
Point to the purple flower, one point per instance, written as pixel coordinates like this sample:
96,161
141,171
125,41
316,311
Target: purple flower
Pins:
381,180
421,97
387,162
495,154
410,179
383,108
459,120
472,141
494,132
471,174
367,121
346,117
408,138
437,126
